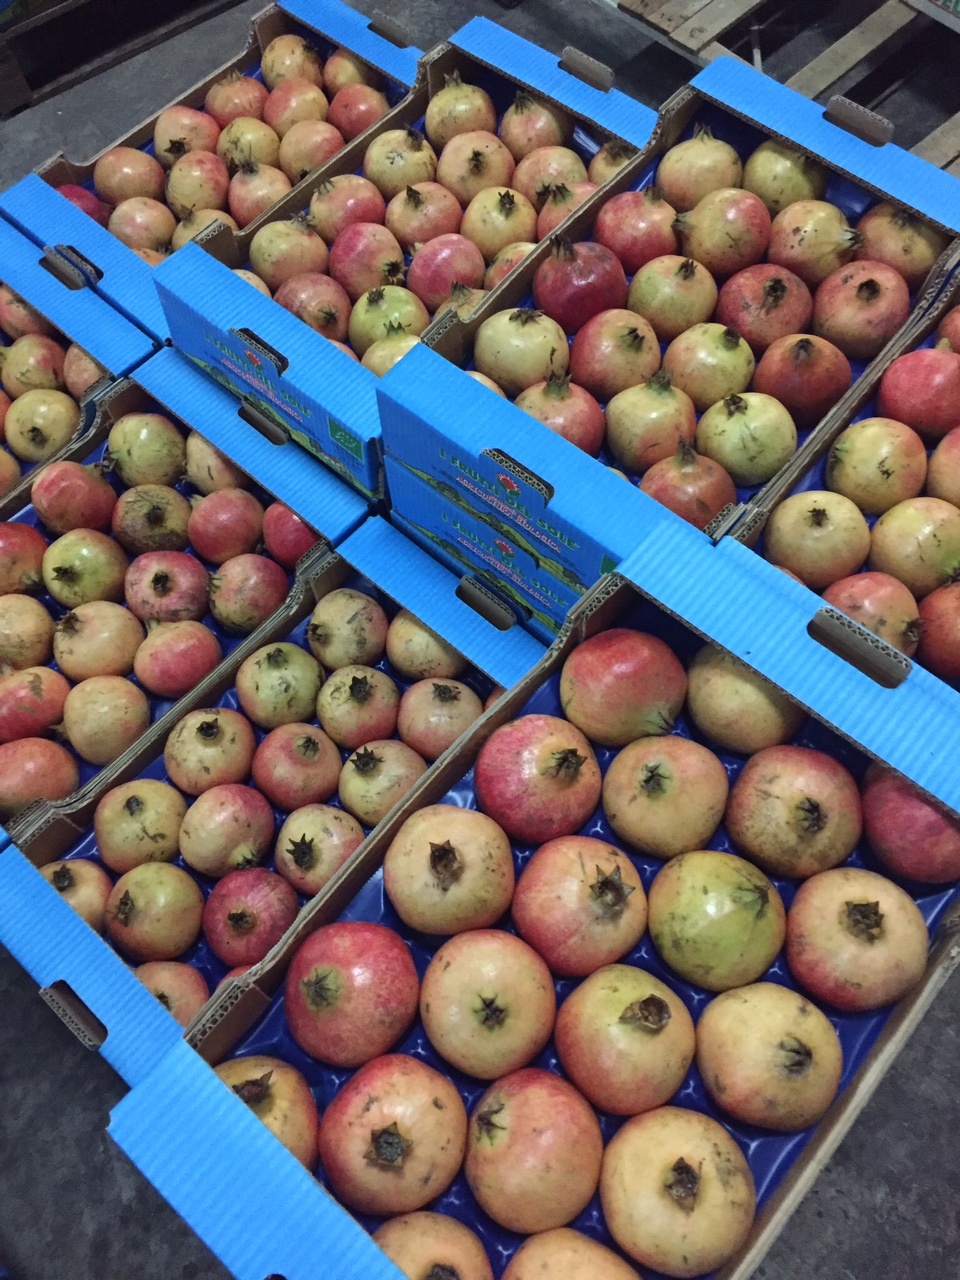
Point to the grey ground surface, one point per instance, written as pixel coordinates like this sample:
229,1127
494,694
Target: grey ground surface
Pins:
887,1205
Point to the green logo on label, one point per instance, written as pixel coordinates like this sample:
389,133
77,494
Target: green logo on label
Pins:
607,565
346,439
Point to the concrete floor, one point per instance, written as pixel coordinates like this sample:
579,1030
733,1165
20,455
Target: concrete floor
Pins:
70,1203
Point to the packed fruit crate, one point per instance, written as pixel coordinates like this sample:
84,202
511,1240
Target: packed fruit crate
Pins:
485,1047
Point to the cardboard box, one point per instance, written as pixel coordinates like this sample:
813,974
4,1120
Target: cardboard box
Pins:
83,978
198,1178
36,208
276,363
458,439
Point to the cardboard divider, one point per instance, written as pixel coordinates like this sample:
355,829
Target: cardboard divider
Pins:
124,279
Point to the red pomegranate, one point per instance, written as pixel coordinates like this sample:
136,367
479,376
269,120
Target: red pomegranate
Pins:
577,282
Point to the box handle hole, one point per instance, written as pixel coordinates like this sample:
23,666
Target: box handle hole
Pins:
486,603
258,347
863,123
517,470
70,267
589,70
870,655
387,27
71,1010
261,422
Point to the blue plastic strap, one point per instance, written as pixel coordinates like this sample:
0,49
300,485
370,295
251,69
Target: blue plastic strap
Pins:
53,944
298,479
530,65
48,218
345,26
211,1158
758,613
415,580
904,177
80,313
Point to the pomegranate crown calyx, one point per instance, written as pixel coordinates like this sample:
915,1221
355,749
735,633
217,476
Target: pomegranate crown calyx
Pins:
868,290
650,1014
561,248
365,761
388,1148
811,815
446,692
415,197
208,730
687,268
683,1183
730,338
63,878
307,747
774,292
610,893
125,908
302,852
133,804
506,201
360,689
414,138
566,764
864,920
525,315
558,386
524,101
556,193
276,657
375,296
797,1056
686,454
617,150
446,866
452,81
661,381
256,1091
486,1120
476,161
321,989
735,404
241,920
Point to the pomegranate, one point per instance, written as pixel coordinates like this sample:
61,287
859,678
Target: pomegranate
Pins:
154,912
402,1150
340,201
813,239
365,256
794,811
355,107
26,632
715,919
727,231
910,835
175,657
440,264
577,282
821,536
179,129
882,605
319,301
419,1243
38,423
486,382
151,517
580,903
290,57
948,331
147,448
382,355
103,716
533,1151
141,223
286,536
921,388
88,203
306,146
417,653
646,423
939,628
672,294
347,628
433,714
31,702
855,940
472,161
138,822
224,524
9,472
538,778
621,685
123,172
751,435
734,707
34,769
943,474
278,684
877,463
559,202
83,885
396,159
458,108
497,217
33,363
80,372
286,248
97,639
208,748
292,102
314,843
518,349
199,180
296,765
567,410
69,495
609,160
918,541
448,870
860,307
677,1192
278,1095
781,175
764,303
84,565
377,777
692,169
247,141
422,211
254,188
625,1039
543,169
487,1003
343,68
614,350
381,311
235,96
181,989
167,586
690,485
902,240
638,227
22,549
247,914
227,827
246,591
505,261
807,374
709,363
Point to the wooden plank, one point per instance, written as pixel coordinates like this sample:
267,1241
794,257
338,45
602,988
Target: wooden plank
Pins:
675,13
712,21
864,39
717,50
942,145
645,9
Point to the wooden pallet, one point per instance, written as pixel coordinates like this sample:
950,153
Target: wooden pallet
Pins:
691,27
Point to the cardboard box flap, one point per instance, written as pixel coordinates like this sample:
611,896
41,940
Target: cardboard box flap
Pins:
511,54
345,26
66,950
69,300
415,580
286,374
211,1158
298,479
887,168
118,275
905,725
